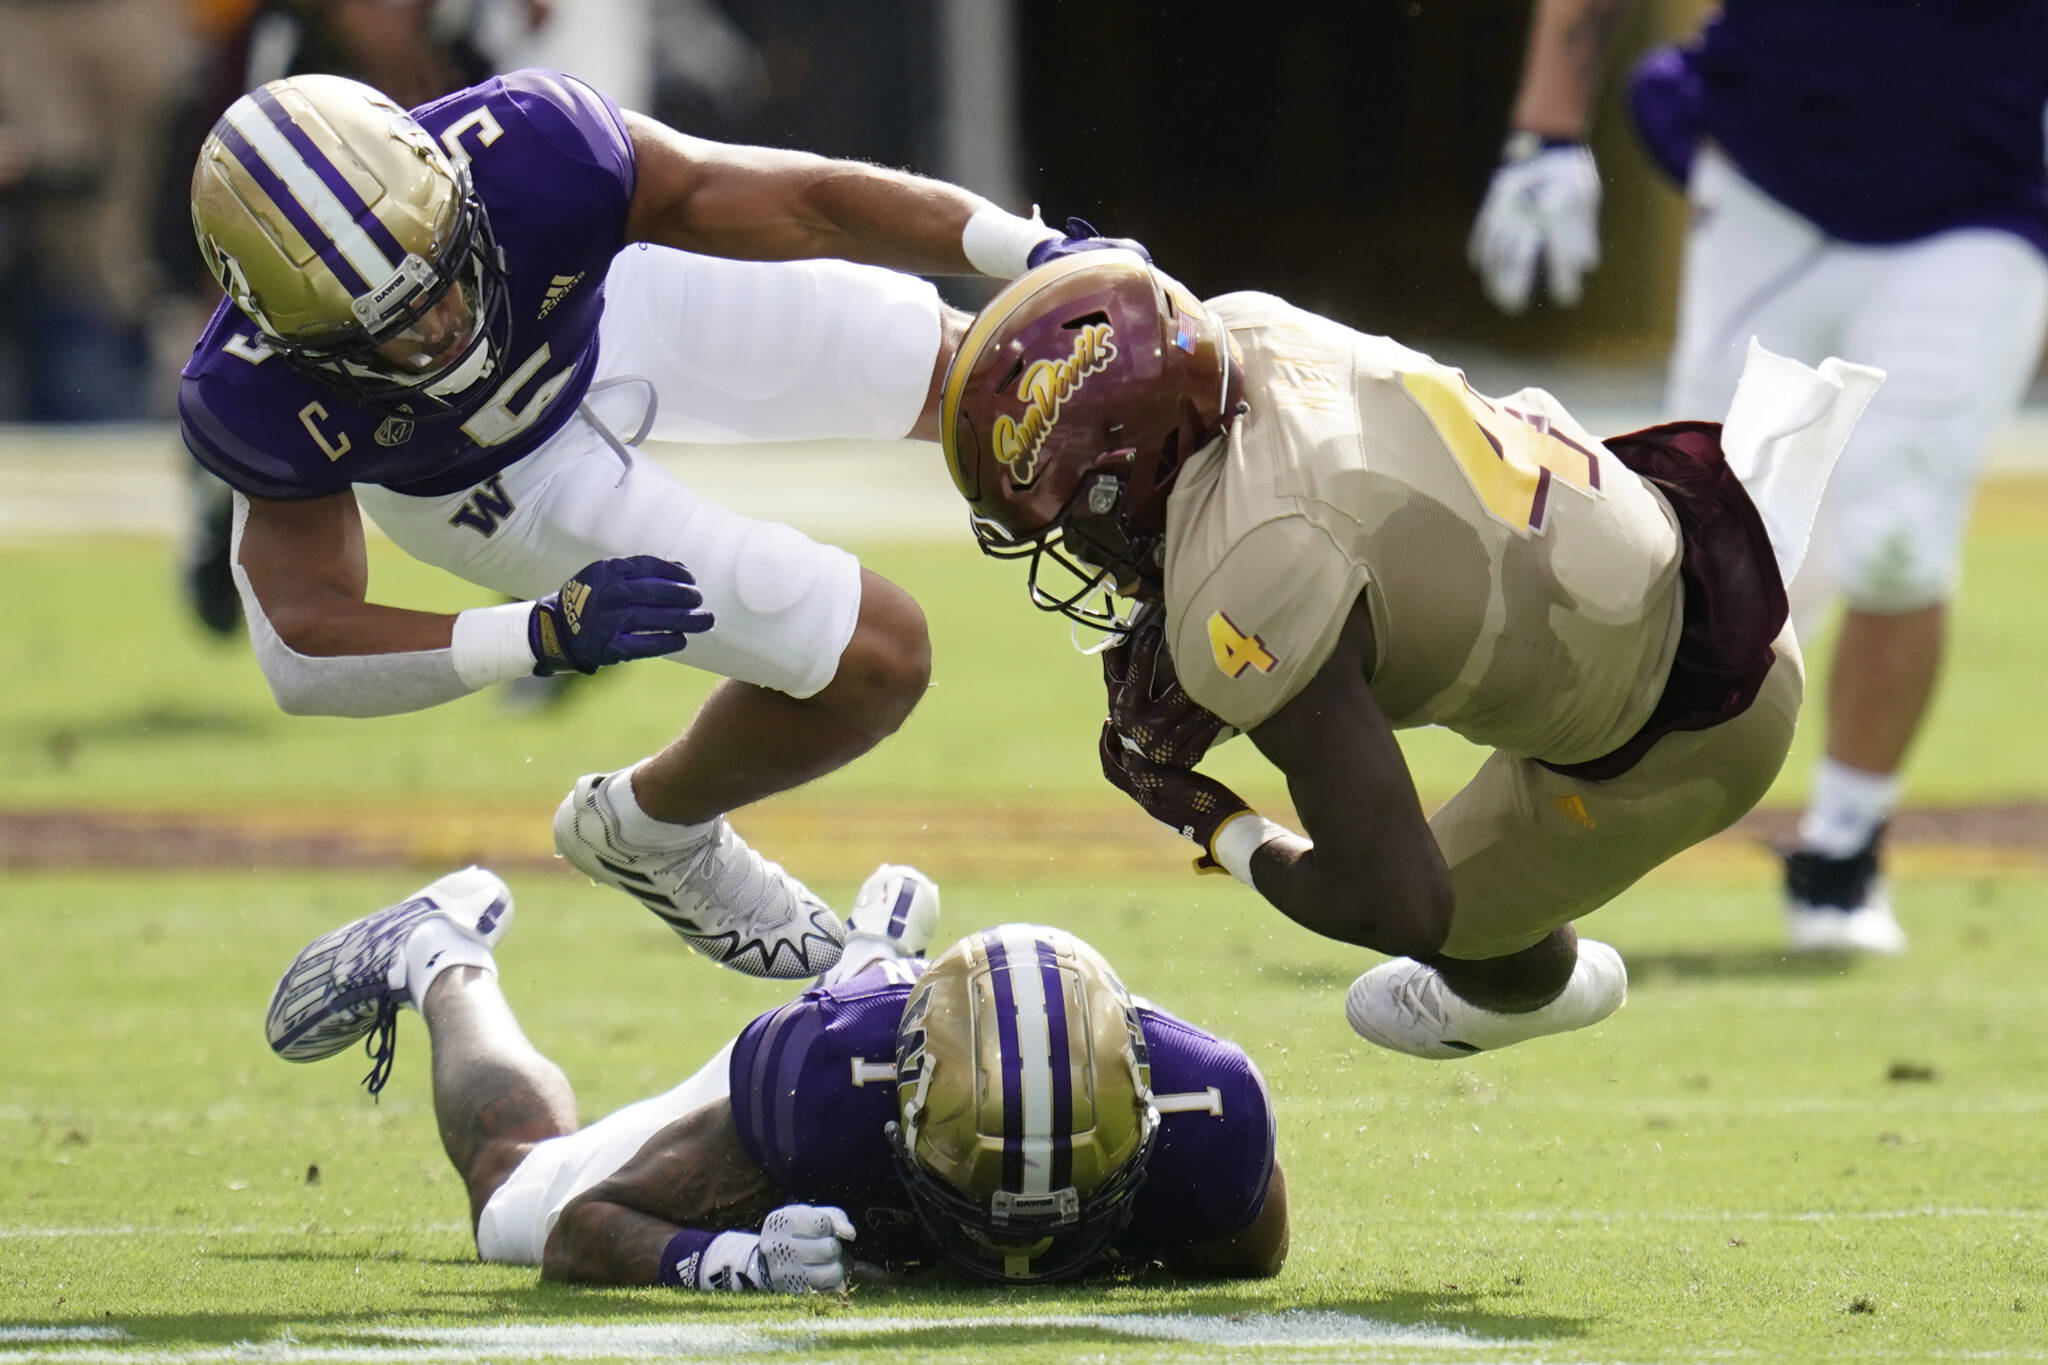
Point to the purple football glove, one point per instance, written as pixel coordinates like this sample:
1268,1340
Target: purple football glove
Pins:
614,610
1147,704
1081,236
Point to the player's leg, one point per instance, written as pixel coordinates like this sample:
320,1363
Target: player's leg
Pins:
494,1095
1530,851
1956,322
824,658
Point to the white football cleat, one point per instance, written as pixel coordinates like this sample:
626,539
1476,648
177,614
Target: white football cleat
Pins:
724,899
898,905
1406,1006
1840,905
350,982
1869,928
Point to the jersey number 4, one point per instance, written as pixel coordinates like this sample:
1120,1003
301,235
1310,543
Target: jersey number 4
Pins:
1511,458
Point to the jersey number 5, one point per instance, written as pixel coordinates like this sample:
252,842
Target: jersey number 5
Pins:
1511,458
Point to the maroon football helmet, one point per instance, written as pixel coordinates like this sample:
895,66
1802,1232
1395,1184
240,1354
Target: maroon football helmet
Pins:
1068,411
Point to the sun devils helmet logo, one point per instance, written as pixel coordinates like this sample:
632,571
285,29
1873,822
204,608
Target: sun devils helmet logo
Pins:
336,224
1025,1104
1045,388
1083,387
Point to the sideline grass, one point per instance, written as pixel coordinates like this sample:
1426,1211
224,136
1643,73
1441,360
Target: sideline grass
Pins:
1744,1161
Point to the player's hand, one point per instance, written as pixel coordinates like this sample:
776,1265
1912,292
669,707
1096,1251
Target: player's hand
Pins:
614,610
1544,203
1195,805
1080,236
806,1248
1147,704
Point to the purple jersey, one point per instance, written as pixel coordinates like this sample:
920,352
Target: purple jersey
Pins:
554,168
1884,121
814,1083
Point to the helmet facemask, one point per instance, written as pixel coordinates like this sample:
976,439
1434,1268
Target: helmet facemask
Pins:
348,360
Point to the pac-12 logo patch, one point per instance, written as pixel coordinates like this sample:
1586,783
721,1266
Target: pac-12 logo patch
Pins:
1045,389
1236,651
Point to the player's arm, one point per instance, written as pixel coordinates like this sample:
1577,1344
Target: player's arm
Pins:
1255,1251
1543,205
768,204
326,649
677,1214
1369,872
1568,45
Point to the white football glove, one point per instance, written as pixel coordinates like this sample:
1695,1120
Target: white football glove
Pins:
800,1248
1543,202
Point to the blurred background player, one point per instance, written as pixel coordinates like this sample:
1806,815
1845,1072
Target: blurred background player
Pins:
1009,1111
1334,537
413,324
1865,180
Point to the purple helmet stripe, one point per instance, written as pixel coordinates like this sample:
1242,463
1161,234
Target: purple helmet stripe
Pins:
1012,1062
899,913
1062,1066
280,194
330,176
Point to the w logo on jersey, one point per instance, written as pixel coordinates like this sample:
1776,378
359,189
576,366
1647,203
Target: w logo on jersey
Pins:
488,505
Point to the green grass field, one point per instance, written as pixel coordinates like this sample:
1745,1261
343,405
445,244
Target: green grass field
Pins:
1757,1159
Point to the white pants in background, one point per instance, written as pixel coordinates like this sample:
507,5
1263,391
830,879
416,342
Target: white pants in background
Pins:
1955,320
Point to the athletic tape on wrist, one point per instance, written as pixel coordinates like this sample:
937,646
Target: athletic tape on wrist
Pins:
489,644
1241,836
999,244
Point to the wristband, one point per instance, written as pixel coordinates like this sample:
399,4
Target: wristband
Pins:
682,1256
1239,837
489,644
998,243
1524,145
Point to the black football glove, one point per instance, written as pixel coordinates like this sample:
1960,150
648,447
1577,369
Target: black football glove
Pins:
1147,704
1192,804
613,610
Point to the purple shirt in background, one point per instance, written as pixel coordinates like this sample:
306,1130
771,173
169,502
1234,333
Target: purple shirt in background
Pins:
554,168
1880,121
813,1085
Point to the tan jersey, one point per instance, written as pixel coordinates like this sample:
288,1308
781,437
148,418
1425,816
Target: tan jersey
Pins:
1523,584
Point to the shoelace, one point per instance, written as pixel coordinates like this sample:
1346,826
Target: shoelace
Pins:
381,1046
1412,994
688,865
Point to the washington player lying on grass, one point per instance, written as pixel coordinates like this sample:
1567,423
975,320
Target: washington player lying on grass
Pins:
1009,1111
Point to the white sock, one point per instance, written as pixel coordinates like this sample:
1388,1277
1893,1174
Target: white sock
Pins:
1846,808
432,949
639,827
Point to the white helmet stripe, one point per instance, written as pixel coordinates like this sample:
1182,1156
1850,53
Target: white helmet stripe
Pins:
1034,1054
312,193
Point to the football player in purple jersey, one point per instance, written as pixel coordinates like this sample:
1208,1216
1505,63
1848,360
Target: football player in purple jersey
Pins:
1008,1110
1866,177
463,320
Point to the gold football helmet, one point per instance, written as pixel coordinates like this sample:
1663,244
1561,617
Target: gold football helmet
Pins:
1025,1104
340,227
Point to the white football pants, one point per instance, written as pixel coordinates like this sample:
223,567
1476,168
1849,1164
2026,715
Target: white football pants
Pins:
1955,320
517,1219
725,351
